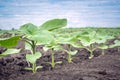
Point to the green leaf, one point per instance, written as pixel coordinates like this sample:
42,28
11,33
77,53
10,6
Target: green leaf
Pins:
65,38
85,40
62,40
109,37
72,52
9,42
103,46
53,24
33,33
10,51
29,29
43,37
116,44
102,38
27,46
92,34
45,48
53,45
77,45
33,57
57,47
68,39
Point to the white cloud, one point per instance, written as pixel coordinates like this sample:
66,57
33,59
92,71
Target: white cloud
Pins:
78,13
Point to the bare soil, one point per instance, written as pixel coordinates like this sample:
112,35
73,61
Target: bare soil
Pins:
105,67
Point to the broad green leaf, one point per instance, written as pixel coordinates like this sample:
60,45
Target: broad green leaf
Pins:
77,45
100,40
40,36
92,38
66,38
84,33
92,34
85,40
43,37
29,29
62,40
10,51
65,35
57,47
9,42
53,45
103,46
72,52
116,44
33,57
45,48
27,46
109,37
53,24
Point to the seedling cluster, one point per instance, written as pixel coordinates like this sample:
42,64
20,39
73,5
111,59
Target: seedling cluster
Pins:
46,35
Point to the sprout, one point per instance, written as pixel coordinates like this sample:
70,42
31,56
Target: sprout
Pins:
33,36
32,58
53,46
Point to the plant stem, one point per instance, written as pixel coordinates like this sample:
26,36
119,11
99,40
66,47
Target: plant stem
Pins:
91,51
33,47
53,59
69,55
103,53
91,54
69,58
34,67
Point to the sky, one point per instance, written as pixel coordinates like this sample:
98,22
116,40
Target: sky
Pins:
79,13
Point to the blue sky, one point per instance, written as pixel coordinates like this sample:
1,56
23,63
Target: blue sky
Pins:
80,13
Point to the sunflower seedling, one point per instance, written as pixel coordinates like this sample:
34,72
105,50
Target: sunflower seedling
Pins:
69,41
33,35
70,54
116,44
53,47
103,42
32,58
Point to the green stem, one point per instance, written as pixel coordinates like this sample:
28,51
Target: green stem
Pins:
69,55
34,67
33,47
69,58
91,51
53,59
91,54
27,40
91,47
103,53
